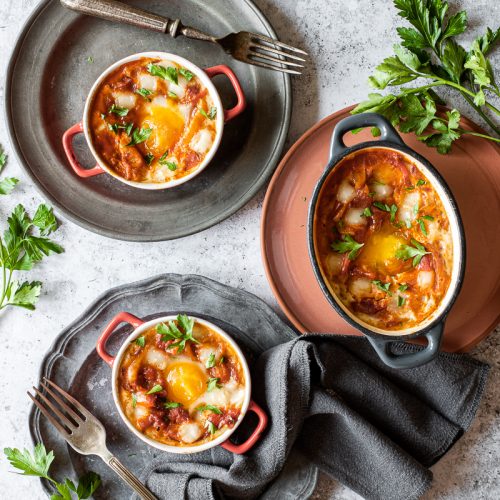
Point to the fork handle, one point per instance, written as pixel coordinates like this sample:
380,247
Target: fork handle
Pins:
129,478
120,12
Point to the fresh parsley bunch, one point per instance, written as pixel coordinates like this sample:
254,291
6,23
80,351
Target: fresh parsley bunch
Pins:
38,464
25,243
429,51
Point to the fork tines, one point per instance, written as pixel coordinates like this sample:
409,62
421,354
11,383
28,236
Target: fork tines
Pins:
273,54
67,417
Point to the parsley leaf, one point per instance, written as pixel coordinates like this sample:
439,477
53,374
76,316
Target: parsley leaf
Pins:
347,245
38,464
384,287
149,159
186,74
173,95
415,252
171,404
211,427
9,183
210,363
118,111
156,388
421,223
140,341
170,73
211,408
212,113
144,93
213,383
140,135
181,332
134,400
403,287
386,208
421,182
367,212
401,301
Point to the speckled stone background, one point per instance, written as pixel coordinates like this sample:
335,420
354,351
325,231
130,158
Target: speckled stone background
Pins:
346,40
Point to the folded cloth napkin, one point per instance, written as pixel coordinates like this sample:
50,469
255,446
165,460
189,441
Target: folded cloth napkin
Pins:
374,429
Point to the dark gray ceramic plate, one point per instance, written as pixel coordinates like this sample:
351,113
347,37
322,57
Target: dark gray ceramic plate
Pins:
73,363
48,80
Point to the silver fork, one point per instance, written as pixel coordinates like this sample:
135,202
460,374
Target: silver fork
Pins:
244,46
82,431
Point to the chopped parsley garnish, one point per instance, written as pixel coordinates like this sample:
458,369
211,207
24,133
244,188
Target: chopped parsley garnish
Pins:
156,388
173,95
415,252
170,164
118,111
171,404
409,188
415,208
401,301
134,400
382,286
422,224
144,93
181,332
213,383
367,212
90,59
349,244
140,135
403,287
408,223
421,182
222,360
212,113
186,74
386,208
210,361
149,158
211,408
211,427
141,341
117,126
170,73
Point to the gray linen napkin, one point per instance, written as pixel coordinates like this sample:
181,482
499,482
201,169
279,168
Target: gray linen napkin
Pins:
375,429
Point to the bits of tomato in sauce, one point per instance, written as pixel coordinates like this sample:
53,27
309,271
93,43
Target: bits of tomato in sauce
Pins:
152,121
383,239
181,396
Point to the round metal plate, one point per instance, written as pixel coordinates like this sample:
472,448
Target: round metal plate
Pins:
72,363
58,56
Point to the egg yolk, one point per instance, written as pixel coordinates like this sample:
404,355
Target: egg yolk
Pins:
186,382
380,250
167,125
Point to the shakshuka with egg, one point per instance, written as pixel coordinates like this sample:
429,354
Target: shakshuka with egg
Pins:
383,239
152,121
181,383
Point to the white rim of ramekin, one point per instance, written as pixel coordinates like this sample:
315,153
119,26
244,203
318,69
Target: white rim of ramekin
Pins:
207,82
185,449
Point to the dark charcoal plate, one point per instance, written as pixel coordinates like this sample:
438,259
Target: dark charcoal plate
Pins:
48,80
73,363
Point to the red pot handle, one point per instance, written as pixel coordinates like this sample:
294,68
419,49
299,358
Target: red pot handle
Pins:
67,141
244,447
121,317
229,114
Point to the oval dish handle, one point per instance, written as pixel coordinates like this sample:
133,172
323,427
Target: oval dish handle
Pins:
387,131
121,317
254,437
413,359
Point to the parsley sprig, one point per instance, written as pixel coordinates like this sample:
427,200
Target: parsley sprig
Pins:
25,243
38,464
181,332
7,184
415,252
429,51
170,73
347,244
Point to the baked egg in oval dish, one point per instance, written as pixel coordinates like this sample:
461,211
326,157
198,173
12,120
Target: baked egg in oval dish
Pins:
383,240
152,120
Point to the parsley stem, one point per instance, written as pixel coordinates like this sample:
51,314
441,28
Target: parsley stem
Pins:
477,134
483,115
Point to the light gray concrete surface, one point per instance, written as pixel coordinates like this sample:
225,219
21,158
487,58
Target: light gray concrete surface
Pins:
346,40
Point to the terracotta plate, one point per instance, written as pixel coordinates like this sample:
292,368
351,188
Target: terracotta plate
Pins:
472,171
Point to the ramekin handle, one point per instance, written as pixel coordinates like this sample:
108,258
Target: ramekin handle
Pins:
241,103
254,437
121,317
